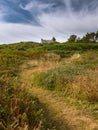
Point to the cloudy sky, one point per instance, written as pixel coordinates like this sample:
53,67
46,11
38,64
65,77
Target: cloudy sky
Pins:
31,20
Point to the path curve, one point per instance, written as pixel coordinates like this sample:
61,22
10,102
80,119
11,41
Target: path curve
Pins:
58,109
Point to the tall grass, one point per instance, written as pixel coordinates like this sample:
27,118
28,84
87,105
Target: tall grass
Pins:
77,79
18,108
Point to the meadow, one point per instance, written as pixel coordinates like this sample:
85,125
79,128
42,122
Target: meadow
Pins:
73,75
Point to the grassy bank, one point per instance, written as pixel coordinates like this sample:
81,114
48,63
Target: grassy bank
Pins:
74,78
18,108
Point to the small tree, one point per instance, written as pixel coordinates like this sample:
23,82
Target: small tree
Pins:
89,37
54,39
96,34
72,38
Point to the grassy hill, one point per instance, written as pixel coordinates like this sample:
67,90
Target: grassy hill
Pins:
73,75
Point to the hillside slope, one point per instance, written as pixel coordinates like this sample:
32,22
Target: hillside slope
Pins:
48,86
66,117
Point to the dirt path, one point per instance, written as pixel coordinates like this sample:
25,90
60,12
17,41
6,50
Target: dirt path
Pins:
58,109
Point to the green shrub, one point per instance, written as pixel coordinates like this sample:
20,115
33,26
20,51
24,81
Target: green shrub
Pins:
18,108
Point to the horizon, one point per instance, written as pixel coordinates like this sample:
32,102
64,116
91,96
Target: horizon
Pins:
31,20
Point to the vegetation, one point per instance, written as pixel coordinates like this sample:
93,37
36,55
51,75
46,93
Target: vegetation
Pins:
66,49
91,37
75,76
54,39
18,108
72,39
73,79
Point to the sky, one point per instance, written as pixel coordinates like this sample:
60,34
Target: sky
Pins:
31,20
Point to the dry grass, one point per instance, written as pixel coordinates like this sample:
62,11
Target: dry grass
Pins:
57,108
88,85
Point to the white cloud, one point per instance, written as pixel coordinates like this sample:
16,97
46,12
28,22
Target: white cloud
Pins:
60,23
36,6
11,33
68,22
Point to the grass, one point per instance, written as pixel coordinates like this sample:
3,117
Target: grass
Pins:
18,108
90,108
75,79
67,49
